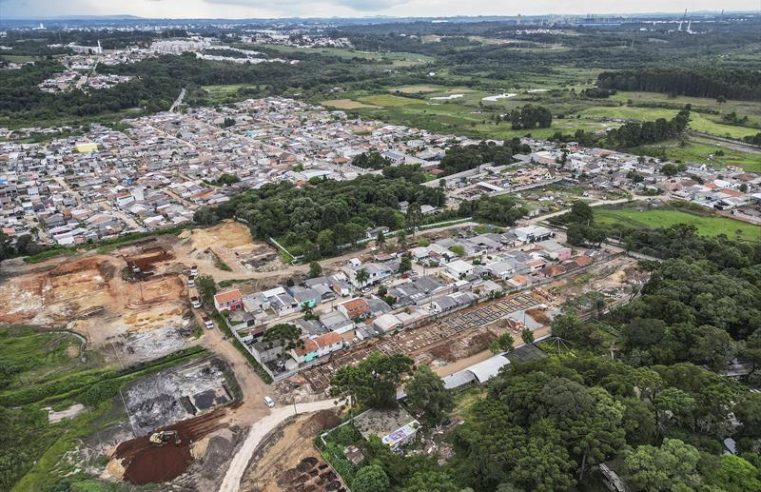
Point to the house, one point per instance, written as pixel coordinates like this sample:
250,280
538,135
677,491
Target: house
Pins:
230,300
556,251
393,427
386,323
305,296
336,321
452,301
377,306
355,309
532,234
459,269
316,347
500,269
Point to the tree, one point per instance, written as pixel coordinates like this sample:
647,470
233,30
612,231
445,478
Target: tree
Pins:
315,270
580,213
735,474
572,329
370,478
405,264
672,467
414,216
503,343
286,335
380,239
207,289
431,481
669,169
361,276
373,381
528,336
544,466
426,393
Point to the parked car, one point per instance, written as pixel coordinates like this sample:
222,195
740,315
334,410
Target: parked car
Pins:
269,401
195,302
208,323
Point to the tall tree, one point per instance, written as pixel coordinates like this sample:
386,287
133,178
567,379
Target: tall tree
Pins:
426,394
373,381
370,478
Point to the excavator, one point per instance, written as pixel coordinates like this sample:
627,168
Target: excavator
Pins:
162,437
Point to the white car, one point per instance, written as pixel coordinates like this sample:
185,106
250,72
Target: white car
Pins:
269,401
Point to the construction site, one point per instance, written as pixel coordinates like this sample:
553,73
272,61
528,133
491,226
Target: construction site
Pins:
287,461
177,394
178,427
446,343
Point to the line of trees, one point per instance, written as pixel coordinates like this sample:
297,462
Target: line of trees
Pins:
317,219
528,117
462,158
633,134
702,81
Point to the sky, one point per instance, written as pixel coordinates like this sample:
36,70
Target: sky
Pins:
350,8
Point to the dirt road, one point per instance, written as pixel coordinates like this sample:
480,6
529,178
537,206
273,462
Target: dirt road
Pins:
239,463
252,408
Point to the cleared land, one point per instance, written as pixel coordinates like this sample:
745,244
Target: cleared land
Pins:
345,104
708,225
703,151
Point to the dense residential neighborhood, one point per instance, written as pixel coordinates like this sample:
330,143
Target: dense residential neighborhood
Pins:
371,253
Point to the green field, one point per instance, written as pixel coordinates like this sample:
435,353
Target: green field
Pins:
703,151
708,225
698,121
42,370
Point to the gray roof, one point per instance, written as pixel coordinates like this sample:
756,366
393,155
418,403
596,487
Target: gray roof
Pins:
484,371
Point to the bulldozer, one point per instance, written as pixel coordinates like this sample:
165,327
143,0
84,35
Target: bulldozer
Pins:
162,437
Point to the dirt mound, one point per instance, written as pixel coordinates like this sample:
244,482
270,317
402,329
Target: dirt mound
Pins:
149,257
75,266
319,422
539,315
145,462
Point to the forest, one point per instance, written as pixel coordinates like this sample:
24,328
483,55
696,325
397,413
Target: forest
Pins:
462,158
322,217
682,81
651,408
632,134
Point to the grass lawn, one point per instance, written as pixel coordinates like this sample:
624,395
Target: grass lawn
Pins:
707,225
345,104
703,151
698,121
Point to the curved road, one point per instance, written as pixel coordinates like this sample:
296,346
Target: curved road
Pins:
239,463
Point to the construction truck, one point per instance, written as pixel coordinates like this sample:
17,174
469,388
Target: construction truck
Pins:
162,437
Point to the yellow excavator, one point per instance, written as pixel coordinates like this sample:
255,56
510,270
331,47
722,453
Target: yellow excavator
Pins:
162,437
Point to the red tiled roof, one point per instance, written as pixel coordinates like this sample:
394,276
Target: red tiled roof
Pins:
356,308
228,296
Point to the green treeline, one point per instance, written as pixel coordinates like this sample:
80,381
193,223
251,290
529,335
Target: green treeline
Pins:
460,158
633,134
697,82
321,217
528,117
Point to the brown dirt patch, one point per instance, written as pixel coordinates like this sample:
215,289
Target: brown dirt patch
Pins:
145,462
539,315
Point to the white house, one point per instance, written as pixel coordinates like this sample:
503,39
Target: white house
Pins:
459,268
